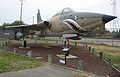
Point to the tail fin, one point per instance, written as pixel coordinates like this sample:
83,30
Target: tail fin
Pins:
38,17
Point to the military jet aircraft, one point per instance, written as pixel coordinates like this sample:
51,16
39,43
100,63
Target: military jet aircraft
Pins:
66,23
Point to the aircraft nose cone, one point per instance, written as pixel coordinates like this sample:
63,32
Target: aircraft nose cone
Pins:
107,18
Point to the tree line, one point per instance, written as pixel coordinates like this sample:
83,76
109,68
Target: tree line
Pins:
14,23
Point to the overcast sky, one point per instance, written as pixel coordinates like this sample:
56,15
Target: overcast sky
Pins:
10,9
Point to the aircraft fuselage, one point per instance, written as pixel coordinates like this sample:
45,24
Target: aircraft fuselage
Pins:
88,21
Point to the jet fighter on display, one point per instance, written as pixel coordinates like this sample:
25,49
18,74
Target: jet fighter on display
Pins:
66,23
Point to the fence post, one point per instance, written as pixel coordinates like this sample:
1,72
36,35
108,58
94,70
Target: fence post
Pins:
89,48
75,43
35,42
86,46
80,65
49,58
29,54
62,42
6,43
15,50
101,55
110,62
93,50
24,43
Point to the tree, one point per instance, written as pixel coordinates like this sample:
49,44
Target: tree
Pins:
14,23
17,23
6,24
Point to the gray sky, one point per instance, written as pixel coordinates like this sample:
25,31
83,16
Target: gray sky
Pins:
10,9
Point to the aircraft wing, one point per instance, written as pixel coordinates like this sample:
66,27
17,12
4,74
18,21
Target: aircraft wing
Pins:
41,25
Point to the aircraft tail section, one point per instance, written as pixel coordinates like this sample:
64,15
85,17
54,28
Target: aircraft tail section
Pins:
38,17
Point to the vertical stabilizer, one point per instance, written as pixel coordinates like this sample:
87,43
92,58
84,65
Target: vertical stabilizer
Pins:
38,17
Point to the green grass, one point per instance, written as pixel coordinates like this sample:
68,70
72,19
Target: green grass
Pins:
115,60
110,52
11,62
113,50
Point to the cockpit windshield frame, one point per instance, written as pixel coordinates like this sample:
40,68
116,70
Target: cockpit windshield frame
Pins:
65,10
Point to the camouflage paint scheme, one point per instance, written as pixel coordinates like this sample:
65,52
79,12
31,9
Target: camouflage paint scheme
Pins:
66,22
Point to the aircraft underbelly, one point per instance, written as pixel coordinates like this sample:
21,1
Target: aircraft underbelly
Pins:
60,27
50,33
95,25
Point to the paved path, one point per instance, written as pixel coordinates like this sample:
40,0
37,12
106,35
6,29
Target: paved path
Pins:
44,71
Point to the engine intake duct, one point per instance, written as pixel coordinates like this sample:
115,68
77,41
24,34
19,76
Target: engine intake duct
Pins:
48,24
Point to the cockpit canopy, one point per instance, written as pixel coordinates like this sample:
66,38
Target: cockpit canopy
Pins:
65,10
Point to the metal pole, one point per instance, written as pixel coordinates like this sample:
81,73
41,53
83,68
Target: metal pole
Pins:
97,34
65,58
112,40
33,19
114,13
97,38
85,38
85,42
21,10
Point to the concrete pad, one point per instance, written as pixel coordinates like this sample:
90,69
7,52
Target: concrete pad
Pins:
38,57
24,47
68,57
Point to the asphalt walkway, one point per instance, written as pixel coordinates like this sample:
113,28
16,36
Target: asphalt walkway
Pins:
44,71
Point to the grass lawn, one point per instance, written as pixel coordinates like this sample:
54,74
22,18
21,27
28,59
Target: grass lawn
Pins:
113,50
110,52
12,62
